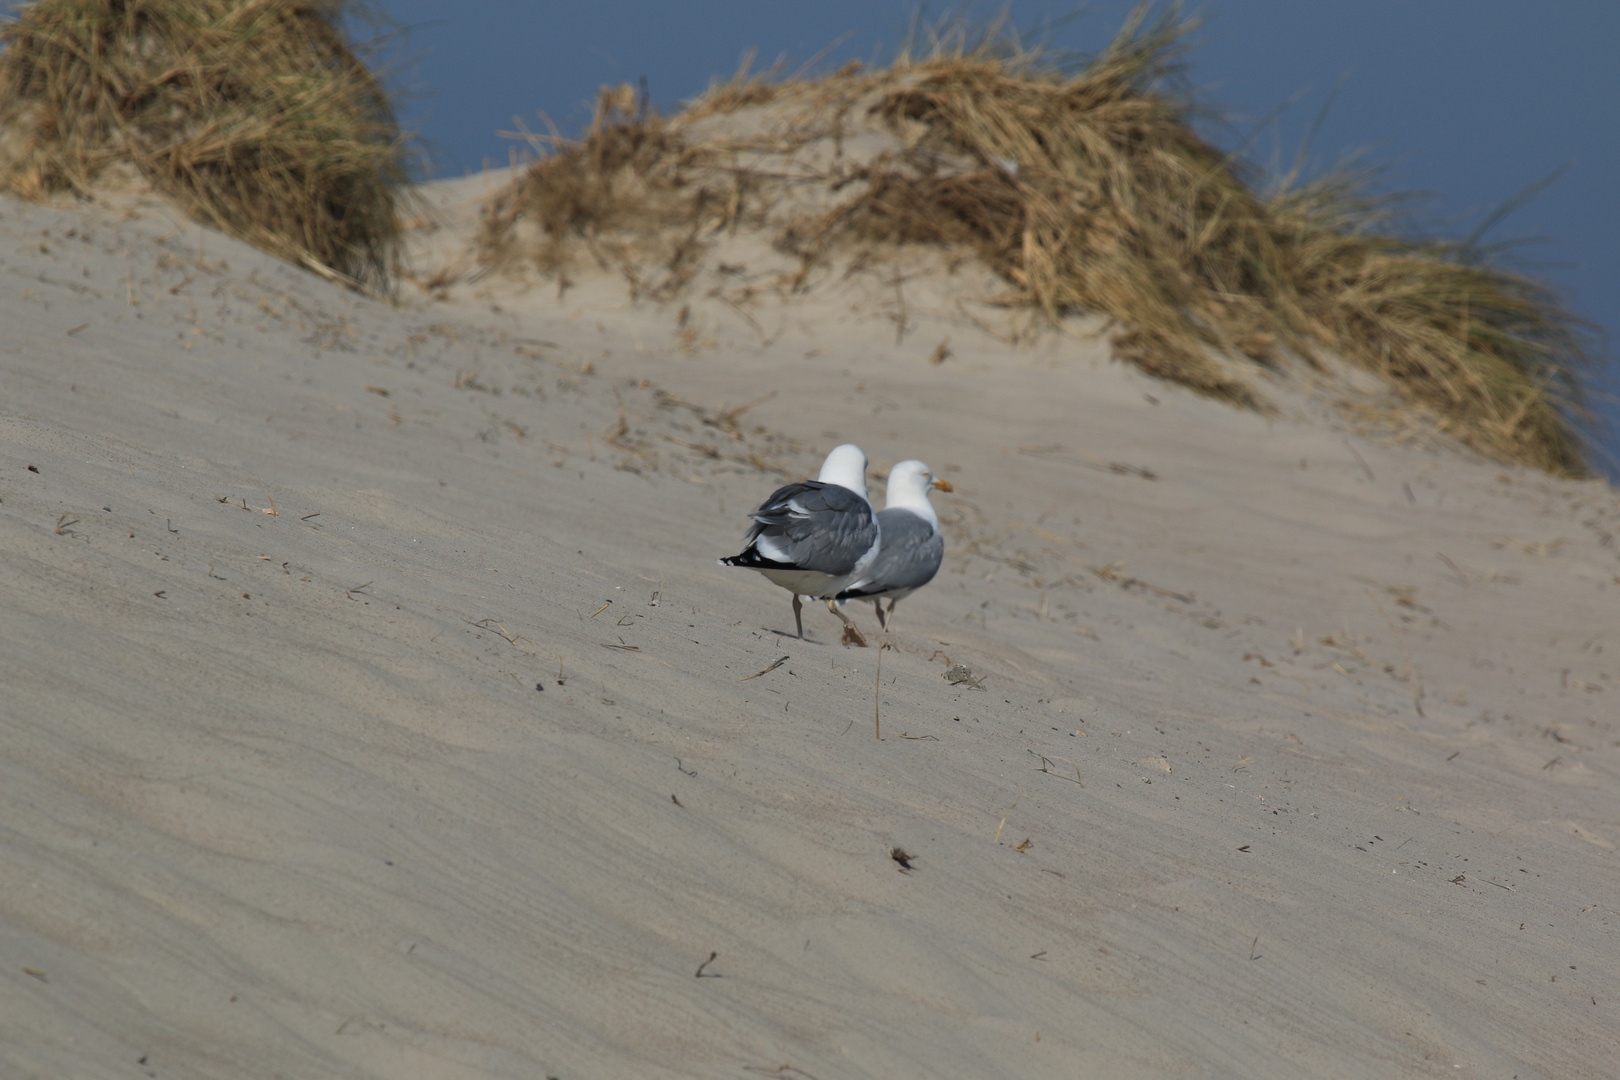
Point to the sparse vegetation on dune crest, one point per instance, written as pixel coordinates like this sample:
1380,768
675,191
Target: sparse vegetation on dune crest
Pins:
1086,189
257,116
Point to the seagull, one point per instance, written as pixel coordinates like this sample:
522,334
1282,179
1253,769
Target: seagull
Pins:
912,545
814,538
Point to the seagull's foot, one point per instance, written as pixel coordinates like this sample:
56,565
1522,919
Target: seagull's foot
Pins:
852,633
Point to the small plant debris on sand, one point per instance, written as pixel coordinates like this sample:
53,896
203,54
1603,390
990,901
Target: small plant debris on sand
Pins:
962,675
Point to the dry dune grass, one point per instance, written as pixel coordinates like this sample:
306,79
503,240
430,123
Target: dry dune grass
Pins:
1085,190
257,116
622,180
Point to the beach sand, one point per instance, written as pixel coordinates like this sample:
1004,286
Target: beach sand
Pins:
373,705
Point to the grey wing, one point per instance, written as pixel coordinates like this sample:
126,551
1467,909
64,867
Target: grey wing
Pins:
812,526
910,557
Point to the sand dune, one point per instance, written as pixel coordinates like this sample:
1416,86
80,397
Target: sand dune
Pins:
373,704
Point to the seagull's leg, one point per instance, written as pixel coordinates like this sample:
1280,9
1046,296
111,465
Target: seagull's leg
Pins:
890,619
877,606
798,617
852,633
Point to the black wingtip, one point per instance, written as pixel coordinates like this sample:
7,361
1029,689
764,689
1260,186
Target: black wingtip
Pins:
753,560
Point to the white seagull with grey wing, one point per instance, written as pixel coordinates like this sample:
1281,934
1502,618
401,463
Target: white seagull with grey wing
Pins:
814,538
912,547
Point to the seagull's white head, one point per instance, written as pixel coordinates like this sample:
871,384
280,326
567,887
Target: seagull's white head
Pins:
846,467
909,484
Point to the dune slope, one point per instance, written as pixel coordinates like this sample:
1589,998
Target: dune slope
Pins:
373,705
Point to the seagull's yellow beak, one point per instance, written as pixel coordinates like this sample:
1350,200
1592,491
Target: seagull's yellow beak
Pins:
943,485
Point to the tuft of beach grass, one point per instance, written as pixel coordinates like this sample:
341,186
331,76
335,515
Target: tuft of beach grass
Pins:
257,116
